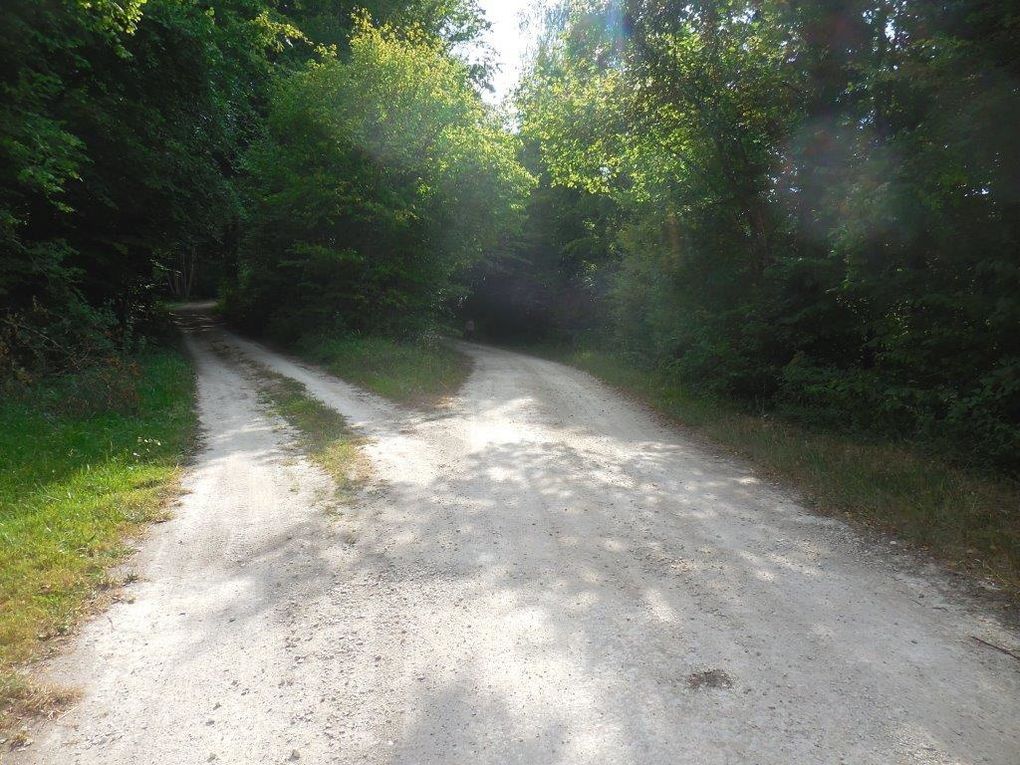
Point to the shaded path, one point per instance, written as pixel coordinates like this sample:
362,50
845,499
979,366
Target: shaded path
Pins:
535,577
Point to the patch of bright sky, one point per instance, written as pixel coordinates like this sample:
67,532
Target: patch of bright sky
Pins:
508,41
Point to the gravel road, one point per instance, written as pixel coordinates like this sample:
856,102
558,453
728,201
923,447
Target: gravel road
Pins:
538,573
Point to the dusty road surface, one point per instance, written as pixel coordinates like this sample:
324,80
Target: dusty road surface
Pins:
540,573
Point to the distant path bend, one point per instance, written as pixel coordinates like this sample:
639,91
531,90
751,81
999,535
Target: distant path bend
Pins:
540,573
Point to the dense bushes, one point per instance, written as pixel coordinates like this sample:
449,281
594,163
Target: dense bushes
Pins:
121,125
818,204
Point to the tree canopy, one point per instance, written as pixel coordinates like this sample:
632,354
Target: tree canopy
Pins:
135,157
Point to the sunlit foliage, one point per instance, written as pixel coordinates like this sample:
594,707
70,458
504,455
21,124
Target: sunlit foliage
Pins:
381,178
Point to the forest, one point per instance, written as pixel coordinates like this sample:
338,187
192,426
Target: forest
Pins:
798,207
688,366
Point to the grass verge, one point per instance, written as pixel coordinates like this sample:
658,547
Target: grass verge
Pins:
77,478
967,520
419,374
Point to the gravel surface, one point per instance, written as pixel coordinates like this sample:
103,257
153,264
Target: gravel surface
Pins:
539,572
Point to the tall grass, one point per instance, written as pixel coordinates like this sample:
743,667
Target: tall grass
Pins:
968,520
74,481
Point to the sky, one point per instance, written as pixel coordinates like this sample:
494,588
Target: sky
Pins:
508,41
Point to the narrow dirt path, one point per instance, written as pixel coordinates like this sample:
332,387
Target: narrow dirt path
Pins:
540,573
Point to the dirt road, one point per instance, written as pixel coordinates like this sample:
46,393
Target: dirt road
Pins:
540,573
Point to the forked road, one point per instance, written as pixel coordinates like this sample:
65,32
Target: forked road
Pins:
540,573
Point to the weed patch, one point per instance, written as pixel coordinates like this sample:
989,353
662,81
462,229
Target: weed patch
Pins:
322,432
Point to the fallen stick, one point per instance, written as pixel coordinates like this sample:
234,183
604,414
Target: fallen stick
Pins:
996,647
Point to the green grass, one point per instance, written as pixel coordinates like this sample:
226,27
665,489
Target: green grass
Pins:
415,374
74,482
322,431
968,520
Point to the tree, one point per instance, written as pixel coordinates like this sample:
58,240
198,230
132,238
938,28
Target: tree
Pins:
121,128
381,177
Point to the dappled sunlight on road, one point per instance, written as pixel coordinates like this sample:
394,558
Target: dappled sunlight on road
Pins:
575,562
542,573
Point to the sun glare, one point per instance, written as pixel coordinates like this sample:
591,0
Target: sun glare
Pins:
509,42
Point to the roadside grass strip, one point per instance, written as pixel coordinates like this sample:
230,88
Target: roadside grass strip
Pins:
76,482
